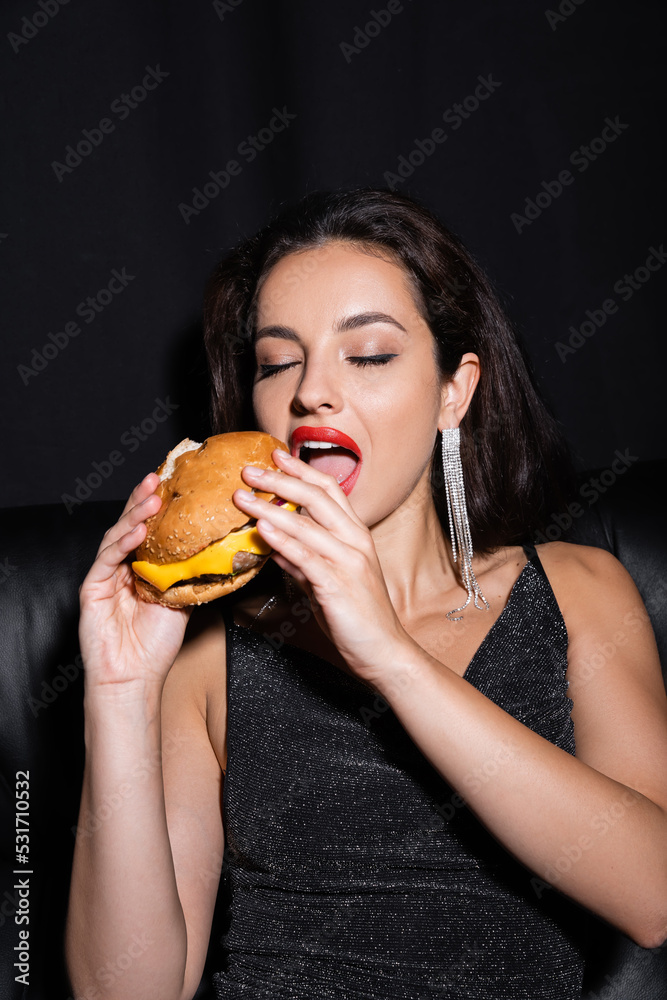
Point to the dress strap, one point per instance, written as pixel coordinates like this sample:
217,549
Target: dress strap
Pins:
531,552
226,610
529,549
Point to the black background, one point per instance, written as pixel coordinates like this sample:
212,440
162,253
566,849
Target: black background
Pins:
229,66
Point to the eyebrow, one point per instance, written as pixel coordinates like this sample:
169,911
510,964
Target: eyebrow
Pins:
347,323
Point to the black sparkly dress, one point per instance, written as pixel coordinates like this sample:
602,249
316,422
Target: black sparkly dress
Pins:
355,871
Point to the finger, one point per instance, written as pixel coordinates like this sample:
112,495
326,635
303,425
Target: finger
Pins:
327,523
137,515
297,469
324,500
322,535
112,555
148,485
134,516
289,567
294,466
296,557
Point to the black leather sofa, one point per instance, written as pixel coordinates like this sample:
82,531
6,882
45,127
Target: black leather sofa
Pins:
45,553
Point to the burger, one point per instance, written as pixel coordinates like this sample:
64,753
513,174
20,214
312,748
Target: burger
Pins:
200,546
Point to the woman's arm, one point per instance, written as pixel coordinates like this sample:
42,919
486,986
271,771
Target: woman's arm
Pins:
126,932
542,804
595,825
139,913
150,838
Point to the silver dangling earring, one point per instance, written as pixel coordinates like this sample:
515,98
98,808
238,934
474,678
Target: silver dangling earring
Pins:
459,526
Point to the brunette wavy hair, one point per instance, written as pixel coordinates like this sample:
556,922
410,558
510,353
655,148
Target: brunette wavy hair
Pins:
516,462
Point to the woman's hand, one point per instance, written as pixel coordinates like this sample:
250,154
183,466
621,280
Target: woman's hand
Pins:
332,554
124,639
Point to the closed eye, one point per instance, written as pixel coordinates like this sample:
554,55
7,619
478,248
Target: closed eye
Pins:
264,371
375,359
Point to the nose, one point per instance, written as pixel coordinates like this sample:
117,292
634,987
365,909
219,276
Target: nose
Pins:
317,388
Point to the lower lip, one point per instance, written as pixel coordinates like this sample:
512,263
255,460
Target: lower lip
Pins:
348,484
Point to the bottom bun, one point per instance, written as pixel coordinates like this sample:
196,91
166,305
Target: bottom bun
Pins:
195,593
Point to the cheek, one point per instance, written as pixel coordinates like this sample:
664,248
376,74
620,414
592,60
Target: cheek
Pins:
411,406
407,429
262,409
264,399
271,410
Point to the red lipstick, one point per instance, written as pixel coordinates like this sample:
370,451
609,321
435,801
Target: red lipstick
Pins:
335,437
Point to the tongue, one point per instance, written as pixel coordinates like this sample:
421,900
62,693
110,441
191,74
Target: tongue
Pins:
336,462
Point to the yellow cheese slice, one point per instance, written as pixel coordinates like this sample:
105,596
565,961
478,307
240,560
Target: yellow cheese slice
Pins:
215,558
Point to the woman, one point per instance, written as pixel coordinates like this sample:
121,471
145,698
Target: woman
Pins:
395,718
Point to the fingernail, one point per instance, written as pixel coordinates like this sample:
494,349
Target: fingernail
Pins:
251,471
247,496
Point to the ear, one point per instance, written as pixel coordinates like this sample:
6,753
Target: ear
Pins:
458,392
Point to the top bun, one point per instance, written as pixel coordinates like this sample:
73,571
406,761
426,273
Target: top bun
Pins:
196,486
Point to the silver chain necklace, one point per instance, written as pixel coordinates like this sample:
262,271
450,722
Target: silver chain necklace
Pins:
271,600
287,580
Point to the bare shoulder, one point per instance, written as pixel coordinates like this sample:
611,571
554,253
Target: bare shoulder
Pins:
601,606
605,616
572,557
619,705
578,571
